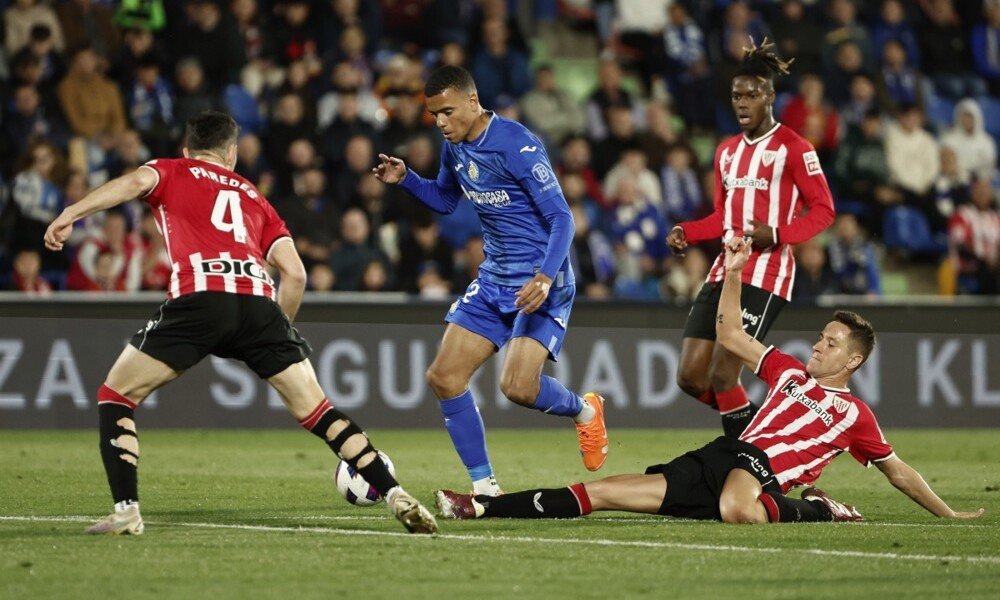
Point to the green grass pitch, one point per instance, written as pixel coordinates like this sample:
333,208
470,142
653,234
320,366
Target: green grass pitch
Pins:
254,514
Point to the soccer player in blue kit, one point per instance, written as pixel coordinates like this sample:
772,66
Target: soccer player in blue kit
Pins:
525,289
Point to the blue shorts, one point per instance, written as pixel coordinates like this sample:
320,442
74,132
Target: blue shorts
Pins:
487,309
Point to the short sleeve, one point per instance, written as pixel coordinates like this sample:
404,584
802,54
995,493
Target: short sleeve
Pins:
162,168
529,164
774,364
274,230
868,445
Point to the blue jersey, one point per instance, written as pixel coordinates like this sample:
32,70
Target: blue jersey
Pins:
506,174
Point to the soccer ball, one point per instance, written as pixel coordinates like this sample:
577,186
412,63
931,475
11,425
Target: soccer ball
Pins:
353,487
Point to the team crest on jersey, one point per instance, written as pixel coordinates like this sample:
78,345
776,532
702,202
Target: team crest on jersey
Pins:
473,171
768,158
840,405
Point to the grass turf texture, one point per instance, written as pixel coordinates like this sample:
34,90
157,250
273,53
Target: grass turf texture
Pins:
281,481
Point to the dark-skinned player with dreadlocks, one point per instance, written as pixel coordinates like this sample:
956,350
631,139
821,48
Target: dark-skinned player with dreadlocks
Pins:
769,189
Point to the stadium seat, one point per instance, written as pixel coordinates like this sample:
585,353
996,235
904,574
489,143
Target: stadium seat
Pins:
991,114
857,208
940,112
244,108
906,228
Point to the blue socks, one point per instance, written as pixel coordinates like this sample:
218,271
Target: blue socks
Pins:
554,399
465,426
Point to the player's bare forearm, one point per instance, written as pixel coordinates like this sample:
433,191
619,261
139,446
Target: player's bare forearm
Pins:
729,317
907,480
290,295
113,193
285,257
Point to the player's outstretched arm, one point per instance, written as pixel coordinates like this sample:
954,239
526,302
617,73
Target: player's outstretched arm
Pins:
135,184
729,318
286,259
390,169
440,195
907,480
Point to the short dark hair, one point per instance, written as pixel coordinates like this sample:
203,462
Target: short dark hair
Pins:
446,77
762,62
210,130
862,333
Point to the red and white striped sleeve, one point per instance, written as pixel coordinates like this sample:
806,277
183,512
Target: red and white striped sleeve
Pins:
774,364
808,177
868,445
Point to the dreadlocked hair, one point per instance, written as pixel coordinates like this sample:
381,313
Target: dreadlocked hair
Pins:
762,62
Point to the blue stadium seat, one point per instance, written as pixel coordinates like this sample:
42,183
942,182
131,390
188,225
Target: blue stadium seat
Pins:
991,114
244,108
940,112
847,206
906,228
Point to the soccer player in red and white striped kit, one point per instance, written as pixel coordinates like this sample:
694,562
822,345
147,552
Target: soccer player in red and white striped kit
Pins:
219,232
764,177
807,419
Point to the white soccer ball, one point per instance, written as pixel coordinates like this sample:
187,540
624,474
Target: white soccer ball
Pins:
353,487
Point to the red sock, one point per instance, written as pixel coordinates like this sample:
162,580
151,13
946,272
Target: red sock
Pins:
106,394
582,498
708,399
773,514
732,400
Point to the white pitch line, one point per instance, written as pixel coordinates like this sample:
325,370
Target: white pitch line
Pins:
541,540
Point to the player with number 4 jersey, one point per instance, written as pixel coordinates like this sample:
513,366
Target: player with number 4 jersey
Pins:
219,232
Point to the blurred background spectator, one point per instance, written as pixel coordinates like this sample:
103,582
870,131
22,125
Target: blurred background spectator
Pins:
630,97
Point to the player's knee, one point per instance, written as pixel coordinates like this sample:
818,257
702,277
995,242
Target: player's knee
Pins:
693,384
445,384
724,377
519,390
736,512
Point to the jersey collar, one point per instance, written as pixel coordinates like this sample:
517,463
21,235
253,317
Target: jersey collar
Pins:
750,142
838,390
482,136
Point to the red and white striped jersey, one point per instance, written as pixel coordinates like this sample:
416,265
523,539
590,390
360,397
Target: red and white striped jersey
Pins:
978,231
767,180
218,229
802,426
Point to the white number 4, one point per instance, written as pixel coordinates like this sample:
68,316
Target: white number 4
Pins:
229,199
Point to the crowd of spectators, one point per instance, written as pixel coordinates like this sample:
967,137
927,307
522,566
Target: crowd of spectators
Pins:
899,98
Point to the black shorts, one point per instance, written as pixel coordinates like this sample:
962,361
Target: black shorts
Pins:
248,328
695,479
760,309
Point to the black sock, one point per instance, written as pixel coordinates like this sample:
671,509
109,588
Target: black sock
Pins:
561,503
318,423
120,462
378,476
781,508
734,423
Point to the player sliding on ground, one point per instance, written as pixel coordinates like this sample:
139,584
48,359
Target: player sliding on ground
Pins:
219,231
808,417
525,288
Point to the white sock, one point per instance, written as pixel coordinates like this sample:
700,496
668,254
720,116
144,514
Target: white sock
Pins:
124,505
390,496
487,486
586,414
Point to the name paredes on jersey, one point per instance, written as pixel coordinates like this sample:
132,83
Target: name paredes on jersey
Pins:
791,389
498,198
746,182
199,172
235,267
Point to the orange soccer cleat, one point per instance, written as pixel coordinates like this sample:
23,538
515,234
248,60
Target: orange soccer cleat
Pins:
594,435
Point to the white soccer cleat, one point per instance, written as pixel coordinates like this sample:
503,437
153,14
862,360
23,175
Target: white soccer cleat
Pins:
123,522
411,513
839,512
